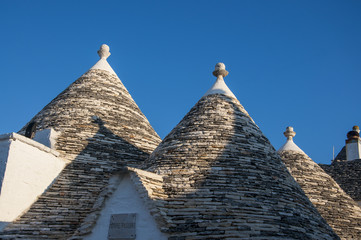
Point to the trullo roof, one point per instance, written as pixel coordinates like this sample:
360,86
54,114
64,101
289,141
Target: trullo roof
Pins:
222,179
101,131
335,206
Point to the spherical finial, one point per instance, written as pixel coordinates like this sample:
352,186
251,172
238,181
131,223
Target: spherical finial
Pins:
220,70
104,51
220,66
289,134
356,128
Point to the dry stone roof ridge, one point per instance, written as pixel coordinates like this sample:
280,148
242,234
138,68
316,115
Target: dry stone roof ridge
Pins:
223,179
339,210
348,175
102,130
341,156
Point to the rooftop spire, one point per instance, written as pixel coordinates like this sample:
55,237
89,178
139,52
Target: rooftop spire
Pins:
214,148
102,64
103,52
290,145
289,134
220,87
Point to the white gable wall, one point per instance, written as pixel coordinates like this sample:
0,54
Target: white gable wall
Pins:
127,200
29,168
4,153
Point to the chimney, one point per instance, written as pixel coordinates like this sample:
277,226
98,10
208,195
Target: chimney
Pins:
353,144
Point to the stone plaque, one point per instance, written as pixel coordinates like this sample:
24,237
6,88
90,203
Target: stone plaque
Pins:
122,226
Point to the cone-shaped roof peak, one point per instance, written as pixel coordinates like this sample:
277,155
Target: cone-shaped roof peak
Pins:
220,87
290,145
218,158
98,92
325,194
103,64
101,130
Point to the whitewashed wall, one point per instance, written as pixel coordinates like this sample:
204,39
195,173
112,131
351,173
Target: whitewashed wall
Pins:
28,169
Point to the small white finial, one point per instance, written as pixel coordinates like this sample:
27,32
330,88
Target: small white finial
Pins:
104,51
220,66
289,134
220,70
220,87
290,145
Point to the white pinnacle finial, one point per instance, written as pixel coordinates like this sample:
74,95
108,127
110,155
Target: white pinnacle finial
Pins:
290,145
289,134
220,87
103,64
104,51
220,70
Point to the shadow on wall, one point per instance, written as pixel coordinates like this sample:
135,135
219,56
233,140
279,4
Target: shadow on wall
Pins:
80,188
229,179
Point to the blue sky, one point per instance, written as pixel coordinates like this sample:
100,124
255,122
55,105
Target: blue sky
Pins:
291,63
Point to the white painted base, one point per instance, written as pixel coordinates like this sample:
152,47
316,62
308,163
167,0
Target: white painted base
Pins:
127,200
102,64
290,146
353,150
220,87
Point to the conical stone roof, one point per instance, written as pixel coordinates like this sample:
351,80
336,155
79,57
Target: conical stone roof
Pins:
335,206
222,179
102,130
97,98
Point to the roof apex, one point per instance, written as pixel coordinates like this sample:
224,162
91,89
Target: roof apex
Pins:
218,153
220,87
290,145
103,64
